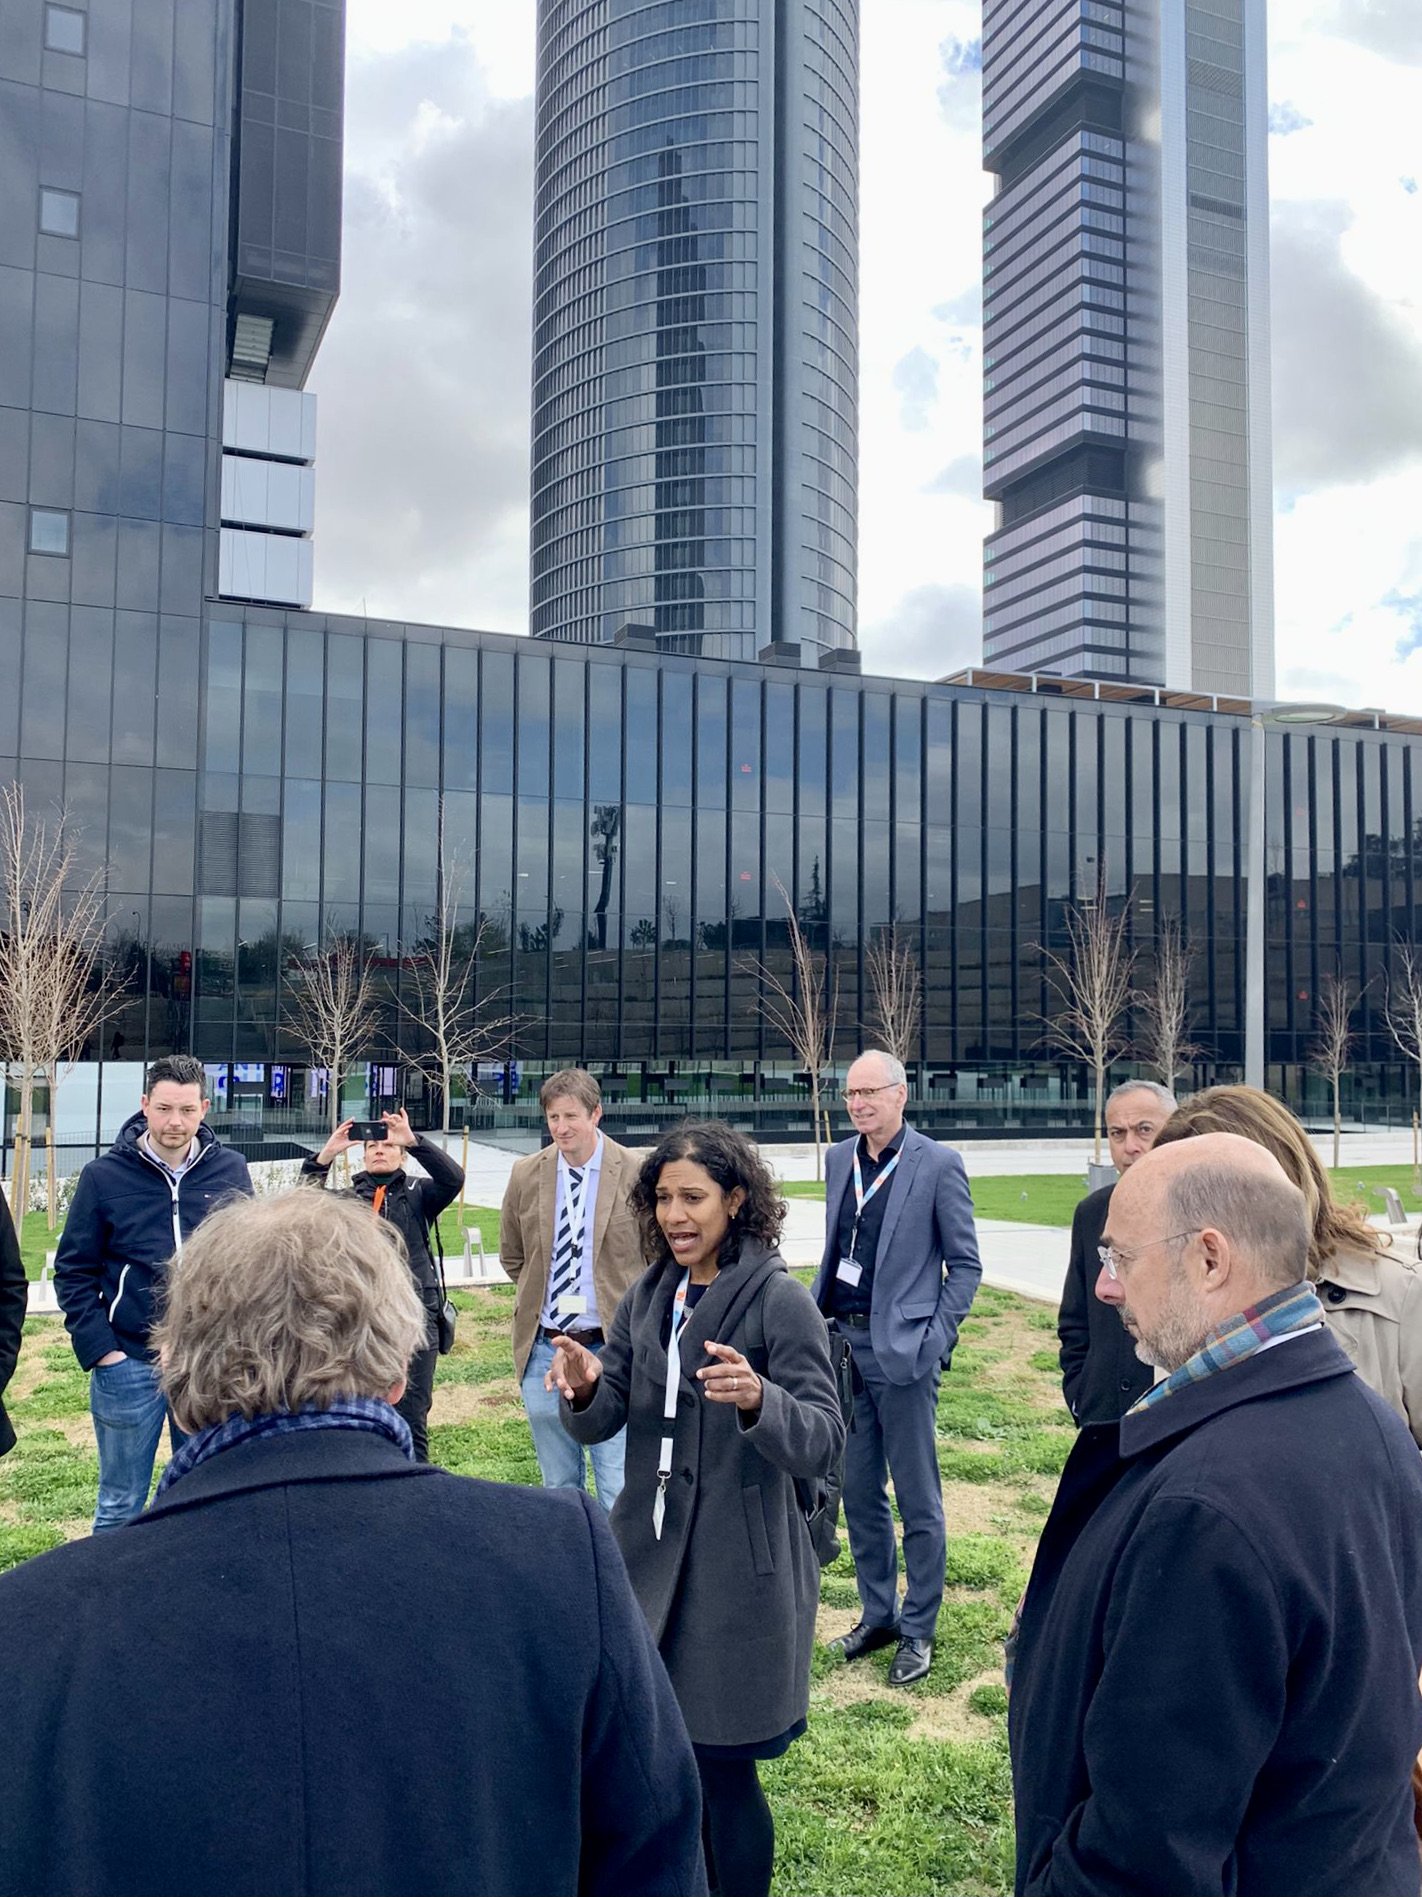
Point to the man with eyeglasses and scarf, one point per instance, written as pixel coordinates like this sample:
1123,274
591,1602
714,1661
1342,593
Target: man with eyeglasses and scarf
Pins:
899,1272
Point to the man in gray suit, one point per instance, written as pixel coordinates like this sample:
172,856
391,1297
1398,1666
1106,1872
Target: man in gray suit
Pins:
898,1276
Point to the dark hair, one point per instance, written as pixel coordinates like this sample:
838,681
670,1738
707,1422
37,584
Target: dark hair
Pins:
733,1162
183,1070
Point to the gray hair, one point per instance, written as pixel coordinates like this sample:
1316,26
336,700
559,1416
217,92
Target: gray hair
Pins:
1161,1095
279,1303
1266,1218
891,1064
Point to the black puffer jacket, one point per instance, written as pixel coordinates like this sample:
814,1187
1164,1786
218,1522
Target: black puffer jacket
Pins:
411,1205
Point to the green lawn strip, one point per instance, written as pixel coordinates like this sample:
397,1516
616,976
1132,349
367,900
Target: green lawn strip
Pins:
861,1808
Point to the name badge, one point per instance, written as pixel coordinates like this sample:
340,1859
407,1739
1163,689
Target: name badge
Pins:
572,1306
849,1272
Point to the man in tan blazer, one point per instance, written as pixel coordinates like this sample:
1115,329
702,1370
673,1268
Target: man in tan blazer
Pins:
570,1244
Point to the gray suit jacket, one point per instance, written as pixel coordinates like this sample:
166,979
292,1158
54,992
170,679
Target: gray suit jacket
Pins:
926,1269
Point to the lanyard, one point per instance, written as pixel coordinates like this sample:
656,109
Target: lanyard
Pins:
862,1198
664,1460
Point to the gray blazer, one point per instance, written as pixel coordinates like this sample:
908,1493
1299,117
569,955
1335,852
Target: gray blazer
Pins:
926,1269
730,1590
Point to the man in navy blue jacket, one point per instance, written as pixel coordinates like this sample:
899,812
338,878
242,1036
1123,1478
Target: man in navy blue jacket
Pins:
315,1665
899,1272
132,1209
1215,1689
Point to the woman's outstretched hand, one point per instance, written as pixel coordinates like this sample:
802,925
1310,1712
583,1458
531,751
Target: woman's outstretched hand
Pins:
729,1379
574,1371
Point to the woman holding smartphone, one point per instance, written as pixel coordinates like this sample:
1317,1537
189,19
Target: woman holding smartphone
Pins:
412,1206
718,1363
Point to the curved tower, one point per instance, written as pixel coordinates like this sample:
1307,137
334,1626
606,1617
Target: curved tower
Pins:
695,365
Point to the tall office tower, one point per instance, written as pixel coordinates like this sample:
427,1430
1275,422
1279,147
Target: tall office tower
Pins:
1126,342
695,350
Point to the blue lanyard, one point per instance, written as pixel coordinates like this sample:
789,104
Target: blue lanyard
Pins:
862,1198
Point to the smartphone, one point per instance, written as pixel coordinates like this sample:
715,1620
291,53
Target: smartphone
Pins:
369,1130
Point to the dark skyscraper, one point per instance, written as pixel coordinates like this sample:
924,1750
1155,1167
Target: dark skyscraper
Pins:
695,323
1126,342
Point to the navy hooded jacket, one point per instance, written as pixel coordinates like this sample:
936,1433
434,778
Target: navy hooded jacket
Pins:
129,1216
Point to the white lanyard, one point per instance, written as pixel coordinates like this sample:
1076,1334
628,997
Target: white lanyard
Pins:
664,1461
862,1198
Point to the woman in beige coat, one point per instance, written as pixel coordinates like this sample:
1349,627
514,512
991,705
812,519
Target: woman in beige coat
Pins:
1372,1297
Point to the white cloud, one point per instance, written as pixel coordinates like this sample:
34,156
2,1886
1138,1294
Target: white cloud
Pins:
422,484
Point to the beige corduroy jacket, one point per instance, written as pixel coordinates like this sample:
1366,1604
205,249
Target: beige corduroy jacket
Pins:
1373,1304
526,1237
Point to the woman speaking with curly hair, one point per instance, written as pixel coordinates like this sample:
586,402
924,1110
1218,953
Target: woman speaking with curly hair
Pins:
718,1364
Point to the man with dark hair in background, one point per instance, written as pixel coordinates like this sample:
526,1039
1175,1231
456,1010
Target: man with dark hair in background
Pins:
132,1209
1101,1374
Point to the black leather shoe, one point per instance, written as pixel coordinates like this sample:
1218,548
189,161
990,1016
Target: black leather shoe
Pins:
861,1640
911,1662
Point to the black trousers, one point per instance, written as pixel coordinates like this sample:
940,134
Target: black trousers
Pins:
414,1405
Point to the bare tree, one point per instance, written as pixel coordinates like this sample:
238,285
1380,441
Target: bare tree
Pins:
332,1014
55,990
461,1032
897,988
1333,1042
1092,978
801,1010
1164,1004
1402,1009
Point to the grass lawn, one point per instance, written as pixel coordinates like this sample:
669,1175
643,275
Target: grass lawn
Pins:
891,1793
1051,1198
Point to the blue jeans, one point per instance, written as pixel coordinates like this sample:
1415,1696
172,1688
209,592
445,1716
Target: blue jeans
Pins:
561,1461
128,1411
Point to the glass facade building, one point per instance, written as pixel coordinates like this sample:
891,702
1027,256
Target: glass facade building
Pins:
695,373
255,782
1126,342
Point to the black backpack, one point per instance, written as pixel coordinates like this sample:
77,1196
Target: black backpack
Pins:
819,1499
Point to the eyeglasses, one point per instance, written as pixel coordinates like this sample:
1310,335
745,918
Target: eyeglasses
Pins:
851,1094
1113,1260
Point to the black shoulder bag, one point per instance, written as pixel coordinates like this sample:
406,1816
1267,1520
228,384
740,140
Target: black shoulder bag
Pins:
820,1499
446,1317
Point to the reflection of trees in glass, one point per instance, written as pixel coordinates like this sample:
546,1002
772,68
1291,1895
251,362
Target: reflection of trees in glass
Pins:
644,933
535,937
605,829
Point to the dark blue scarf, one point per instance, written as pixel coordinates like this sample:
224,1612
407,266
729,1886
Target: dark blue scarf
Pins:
346,1412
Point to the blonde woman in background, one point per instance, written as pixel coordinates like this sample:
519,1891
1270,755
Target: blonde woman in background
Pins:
1372,1298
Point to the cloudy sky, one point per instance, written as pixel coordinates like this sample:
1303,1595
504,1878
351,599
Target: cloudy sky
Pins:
424,375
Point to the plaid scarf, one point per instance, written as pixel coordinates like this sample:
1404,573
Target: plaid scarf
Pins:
1295,1308
347,1412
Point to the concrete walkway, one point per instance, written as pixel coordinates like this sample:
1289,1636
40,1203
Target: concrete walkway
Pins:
1030,1259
